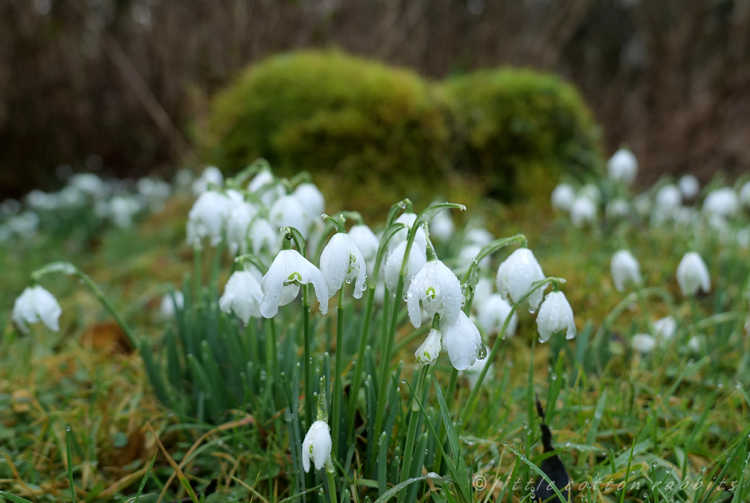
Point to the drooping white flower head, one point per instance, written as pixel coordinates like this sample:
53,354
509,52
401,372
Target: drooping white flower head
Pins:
210,176
473,371
745,195
592,192
242,294
90,184
438,291
583,211
618,208
281,283
317,446
668,199
167,307
36,304
442,227
468,254
367,243
689,186
311,198
24,224
461,340
555,315
492,315
428,352
516,275
482,292
408,219
623,166
238,226
643,343
692,274
696,342
288,211
563,197
642,204
342,261
478,236
264,237
665,328
416,260
208,217
268,195
625,270
722,202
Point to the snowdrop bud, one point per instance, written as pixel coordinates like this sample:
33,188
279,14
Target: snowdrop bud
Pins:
342,261
722,202
238,226
516,275
643,343
689,186
439,292
623,166
392,270
555,315
482,292
281,283
428,352
288,211
408,219
563,197
618,208
242,295
441,227
311,198
167,307
583,211
367,243
665,328
317,446
478,237
745,195
461,340
36,304
492,315
467,255
210,176
473,371
668,199
625,270
207,218
692,274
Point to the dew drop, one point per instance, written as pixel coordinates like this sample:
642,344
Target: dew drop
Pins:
67,428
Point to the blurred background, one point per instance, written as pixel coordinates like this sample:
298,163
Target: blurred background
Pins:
127,87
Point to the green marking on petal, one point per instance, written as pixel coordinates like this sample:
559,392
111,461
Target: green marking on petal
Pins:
430,292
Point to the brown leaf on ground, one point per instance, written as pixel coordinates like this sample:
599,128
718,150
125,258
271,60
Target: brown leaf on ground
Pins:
107,337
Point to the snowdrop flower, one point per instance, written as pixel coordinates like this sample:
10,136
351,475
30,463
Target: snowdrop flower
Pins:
438,291
563,197
482,292
722,202
618,208
167,307
264,237
441,227
269,195
281,283
642,204
745,194
317,446
665,328
342,261
695,343
479,237
210,176
516,275
207,218
238,226
468,253
689,186
625,270
367,243
692,274
89,183
623,166
592,192
416,260
36,304
24,224
428,352
583,211
555,315
242,295
288,211
155,192
461,340
492,315
311,198
9,207
122,209
408,220
183,178
643,343
39,200
668,199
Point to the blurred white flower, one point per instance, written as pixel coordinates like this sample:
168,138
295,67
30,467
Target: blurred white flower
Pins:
428,352
696,342
394,260
288,211
692,274
238,226
563,197
167,307
208,217
516,275
461,340
210,176
625,270
408,219
263,236
467,255
745,195
24,224
183,178
36,304
642,205
154,191
281,283
5,233
689,186
342,261
668,199
438,291
367,243
311,199
643,343
317,446
491,316
555,315
583,211
592,192
623,166
242,294
122,209
665,328
618,208
472,372
482,292
9,207
478,236
90,184
441,227
722,202
265,184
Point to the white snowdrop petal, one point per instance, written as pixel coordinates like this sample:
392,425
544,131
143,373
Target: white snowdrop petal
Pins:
516,275
428,352
692,274
623,166
555,315
462,341
625,270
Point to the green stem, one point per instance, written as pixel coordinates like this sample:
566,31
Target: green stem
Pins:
271,351
197,272
357,375
331,482
338,389
306,366
442,431
412,430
